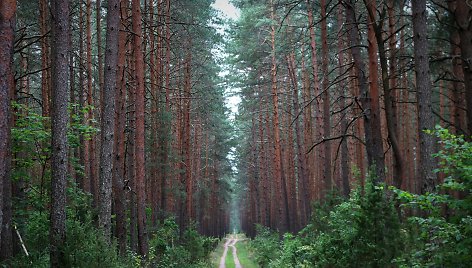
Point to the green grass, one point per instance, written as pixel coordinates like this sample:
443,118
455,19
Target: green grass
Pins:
246,257
229,258
215,256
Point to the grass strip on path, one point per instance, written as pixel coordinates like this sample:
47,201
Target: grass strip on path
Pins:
229,262
245,257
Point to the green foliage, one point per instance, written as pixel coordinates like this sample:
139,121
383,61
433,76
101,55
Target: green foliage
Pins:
167,249
85,245
439,238
266,244
29,136
363,231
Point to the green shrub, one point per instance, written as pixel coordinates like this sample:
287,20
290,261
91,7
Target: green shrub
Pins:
266,244
167,249
85,245
439,239
363,231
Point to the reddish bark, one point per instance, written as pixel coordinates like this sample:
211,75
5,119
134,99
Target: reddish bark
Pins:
307,135
263,197
140,131
45,57
119,145
389,97
463,17
457,87
303,195
344,124
369,98
327,180
319,135
374,98
282,210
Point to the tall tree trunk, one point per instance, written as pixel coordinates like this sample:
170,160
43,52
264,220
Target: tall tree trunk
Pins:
59,121
166,183
327,180
155,189
131,145
463,15
281,206
389,97
140,131
373,96
426,163
45,54
371,114
307,135
187,137
84,151
7,86
263,197
119,145
301,157
457,87
94,187
344,124
98,13
319,135
108,116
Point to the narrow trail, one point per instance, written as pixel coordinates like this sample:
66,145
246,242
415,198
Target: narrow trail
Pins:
230,243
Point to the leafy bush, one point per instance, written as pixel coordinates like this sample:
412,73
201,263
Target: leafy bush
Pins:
439,239
85,245
266,244
363,231
167,249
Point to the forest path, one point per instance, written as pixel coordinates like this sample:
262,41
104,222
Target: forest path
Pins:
231,241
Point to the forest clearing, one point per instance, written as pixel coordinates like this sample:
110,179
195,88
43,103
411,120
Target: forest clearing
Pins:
235,133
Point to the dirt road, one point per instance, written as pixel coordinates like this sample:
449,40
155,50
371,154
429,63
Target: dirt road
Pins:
230,243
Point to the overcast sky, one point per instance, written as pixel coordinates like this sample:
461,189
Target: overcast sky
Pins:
226,8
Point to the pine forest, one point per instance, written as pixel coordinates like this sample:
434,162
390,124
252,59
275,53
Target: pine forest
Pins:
235,133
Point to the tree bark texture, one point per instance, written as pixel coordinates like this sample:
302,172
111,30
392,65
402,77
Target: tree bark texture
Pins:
7,34
319,171
140,131
108,116
426,163
59,121
463,15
